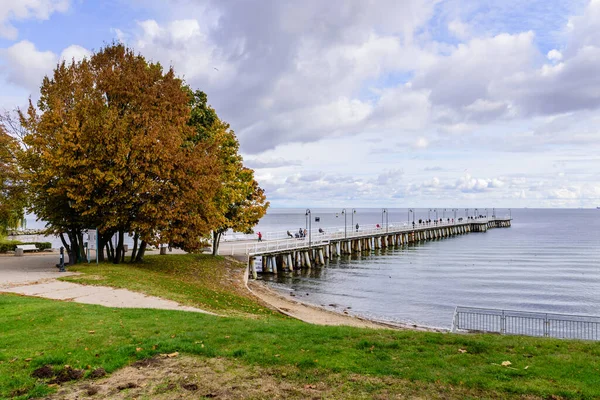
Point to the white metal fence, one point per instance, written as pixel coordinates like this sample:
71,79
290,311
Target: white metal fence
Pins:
509,322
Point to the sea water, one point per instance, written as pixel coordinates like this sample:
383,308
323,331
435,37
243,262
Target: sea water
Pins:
548,261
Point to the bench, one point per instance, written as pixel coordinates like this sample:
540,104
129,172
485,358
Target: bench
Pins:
27,247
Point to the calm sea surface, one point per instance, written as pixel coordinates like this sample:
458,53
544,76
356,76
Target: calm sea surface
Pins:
548,261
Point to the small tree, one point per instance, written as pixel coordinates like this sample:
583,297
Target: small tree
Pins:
239,202
12,190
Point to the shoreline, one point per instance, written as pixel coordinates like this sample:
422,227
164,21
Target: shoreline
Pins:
317,315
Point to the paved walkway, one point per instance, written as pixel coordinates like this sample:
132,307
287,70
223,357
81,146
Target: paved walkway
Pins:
35,275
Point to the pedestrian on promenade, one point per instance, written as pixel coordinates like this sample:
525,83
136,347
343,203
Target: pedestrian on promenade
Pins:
290,235
357,227
259,236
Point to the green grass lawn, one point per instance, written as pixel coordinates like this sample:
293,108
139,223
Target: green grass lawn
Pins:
357,363
211,283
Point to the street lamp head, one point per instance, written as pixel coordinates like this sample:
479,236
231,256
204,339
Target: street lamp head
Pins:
307,211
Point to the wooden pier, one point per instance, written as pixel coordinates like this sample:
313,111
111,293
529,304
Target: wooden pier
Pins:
316,249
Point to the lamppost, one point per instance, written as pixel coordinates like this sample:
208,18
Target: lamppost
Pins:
486,215
353,212
509,214
345,231
384,211
309,223
476,211
444,214
429,214
435,214
408,215
494,212
467,212
455,210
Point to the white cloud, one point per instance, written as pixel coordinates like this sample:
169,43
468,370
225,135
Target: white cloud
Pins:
469,184
554,55
458,29
74,52
25,65
18,10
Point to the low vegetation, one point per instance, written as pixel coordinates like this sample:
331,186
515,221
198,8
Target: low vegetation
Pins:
266,353
10,245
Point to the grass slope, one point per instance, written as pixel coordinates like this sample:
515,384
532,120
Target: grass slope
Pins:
211,283
354,363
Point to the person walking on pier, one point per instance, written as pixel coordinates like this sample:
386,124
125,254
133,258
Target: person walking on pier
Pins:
290,235
357,227
300,232
259,236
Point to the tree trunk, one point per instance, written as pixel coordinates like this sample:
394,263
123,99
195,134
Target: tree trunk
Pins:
111,251
140,255
74,248
216,242
135,246
64,242
81,252
101,246
119,250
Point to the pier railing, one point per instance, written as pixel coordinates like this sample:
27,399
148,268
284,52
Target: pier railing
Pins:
509,322
332,233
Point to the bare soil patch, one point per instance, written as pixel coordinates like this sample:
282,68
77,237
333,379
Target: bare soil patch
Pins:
190,377
185,377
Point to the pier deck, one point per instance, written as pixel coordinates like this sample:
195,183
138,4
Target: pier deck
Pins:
316,248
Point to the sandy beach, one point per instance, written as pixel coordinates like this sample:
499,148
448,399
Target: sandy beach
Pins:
317,315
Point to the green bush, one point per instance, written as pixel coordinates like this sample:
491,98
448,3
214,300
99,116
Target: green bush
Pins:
10,245
42,245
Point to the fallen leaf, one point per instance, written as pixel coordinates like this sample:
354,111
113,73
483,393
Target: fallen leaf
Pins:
138,349
462,351
526,367
91,332
506,363
310,386
28,359
171,355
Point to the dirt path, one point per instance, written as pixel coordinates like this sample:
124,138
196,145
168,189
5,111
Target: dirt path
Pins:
35,275
316,315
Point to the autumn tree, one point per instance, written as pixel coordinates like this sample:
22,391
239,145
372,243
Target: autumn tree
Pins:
12,193
110,148
240,202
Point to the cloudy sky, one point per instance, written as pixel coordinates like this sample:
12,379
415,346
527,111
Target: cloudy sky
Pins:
362,103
